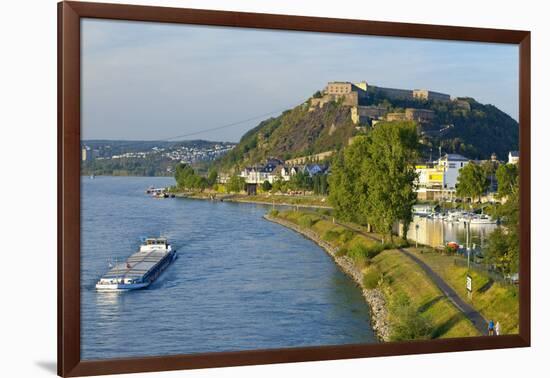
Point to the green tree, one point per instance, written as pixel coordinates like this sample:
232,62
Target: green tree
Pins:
472,182
317,94
235,184
212,177
503,244
389,173
408,322
184,176
507,179
323,184
348,187
266,186
301,181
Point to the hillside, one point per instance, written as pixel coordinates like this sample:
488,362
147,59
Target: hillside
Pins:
296,132
461,126
472,129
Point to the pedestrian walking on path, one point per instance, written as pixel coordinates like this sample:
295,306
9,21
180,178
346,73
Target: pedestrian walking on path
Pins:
491,328
497,328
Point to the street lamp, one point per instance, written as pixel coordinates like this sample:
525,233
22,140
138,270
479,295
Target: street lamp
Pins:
416,227
467,228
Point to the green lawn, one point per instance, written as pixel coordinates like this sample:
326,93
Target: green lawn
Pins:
494,300
401,276
406,277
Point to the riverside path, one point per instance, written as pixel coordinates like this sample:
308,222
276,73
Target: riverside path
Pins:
474,316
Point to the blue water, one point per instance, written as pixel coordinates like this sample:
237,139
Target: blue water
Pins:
239,282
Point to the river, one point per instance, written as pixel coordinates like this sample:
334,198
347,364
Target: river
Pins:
239,283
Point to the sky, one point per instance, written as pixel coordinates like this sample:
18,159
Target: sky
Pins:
154,81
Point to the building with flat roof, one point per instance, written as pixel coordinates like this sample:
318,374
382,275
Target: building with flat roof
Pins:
425,94
513,157
438,180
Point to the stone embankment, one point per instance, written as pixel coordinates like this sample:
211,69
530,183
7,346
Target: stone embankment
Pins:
374,297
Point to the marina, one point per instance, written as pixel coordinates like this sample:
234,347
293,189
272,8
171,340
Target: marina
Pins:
465,231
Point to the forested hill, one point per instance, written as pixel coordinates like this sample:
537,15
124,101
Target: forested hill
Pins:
462,126
467,127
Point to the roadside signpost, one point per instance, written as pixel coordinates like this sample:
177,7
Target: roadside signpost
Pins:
469,286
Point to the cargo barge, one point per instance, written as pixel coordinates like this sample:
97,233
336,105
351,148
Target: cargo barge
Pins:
140,269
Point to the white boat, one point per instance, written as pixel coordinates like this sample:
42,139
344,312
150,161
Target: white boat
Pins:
482,219
141,268
454,216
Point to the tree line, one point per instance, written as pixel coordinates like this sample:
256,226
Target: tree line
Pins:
503,243
188,179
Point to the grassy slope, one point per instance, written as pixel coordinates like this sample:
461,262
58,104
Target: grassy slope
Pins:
403,276
496,301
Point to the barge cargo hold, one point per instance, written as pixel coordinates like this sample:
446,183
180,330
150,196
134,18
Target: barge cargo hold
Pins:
141,268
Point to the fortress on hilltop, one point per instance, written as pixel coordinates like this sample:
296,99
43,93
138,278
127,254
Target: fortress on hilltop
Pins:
355,95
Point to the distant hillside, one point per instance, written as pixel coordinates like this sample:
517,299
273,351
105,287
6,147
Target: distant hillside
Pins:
461,126
147,158
122,146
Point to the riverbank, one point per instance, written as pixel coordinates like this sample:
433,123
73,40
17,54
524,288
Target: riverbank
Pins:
413,306
304,201
492,297
374,297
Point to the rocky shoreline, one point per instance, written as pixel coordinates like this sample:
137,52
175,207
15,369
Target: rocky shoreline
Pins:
374,297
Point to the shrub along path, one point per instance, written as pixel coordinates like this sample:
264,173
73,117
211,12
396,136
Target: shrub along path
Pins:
474,316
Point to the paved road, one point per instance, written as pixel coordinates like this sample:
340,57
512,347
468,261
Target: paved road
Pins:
475,317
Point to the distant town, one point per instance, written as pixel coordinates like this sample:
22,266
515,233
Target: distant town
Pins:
149,158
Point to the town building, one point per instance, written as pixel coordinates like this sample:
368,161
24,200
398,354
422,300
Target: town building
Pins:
85,155
275,169
364,115
513,157
412,114
419,115
352,94
438,180
316,158
452,164
391,117
427,95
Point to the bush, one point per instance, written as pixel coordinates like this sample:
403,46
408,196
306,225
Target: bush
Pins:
306,221
331,235
346,236
371,278
274,213
358,250
401,243
408,322
341,252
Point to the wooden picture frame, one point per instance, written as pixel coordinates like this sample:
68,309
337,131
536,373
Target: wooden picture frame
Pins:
69,17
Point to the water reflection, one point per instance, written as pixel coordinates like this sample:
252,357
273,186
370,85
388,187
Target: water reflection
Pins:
436,232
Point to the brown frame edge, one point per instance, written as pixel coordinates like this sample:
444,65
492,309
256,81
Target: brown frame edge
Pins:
69,14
